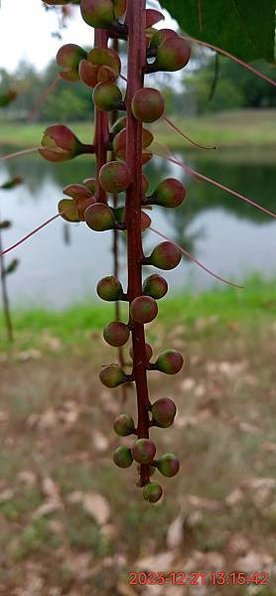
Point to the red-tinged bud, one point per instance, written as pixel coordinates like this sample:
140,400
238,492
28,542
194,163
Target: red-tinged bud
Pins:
147,105
112,376
107,97
98,13
153,17
99,217
172,54
122,457
164,256
116,333
163,412
114,177
143,309
102,64
155,286
145,221
119,143
59,143
68,57
152,492
169,193
77,191
69,210
109,288
162,35
169,362
168,464
149,352
82,198
124,425
143,451
88,73
90,183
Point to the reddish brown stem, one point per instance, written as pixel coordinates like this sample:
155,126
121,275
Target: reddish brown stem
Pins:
101,135
4,252
180,132
136,20
116,272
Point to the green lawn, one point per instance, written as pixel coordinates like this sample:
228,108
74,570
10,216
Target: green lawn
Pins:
253,305
242,128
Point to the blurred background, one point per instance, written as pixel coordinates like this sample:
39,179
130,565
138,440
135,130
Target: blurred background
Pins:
63,530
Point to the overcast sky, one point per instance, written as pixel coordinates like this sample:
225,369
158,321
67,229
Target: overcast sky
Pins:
25,33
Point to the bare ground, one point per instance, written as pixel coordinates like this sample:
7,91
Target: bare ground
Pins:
72,523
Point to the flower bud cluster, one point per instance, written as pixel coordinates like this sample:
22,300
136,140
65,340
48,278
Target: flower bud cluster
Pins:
88,201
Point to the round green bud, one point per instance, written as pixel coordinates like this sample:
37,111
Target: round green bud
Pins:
147,105
98,13
169,193
122,457
163,412
169,362
165,256
152,492
124,425
109,288
116,333
168,464
155,286
107,97
143,309
143,451
99,217
172,54
112,376
114,177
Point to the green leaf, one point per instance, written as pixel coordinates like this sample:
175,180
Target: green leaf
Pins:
245,28
11,183
5,224
12,266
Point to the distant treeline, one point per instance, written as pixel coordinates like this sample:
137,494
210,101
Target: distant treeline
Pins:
212,85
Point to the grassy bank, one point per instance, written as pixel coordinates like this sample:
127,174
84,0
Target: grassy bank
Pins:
254,305
242,128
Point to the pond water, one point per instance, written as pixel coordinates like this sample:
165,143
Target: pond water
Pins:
62,264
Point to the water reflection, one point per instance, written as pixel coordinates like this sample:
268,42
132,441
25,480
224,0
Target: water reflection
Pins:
63,263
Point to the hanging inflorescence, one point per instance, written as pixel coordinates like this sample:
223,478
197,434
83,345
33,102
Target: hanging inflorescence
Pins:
121,149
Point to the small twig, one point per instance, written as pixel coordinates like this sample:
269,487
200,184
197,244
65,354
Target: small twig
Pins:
194,260
5,296
232,57
19,153
200,176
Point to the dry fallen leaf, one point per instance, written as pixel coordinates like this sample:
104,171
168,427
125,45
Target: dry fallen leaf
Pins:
6,495
100,442
47,508
175,532
235,497
97,506
159,562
